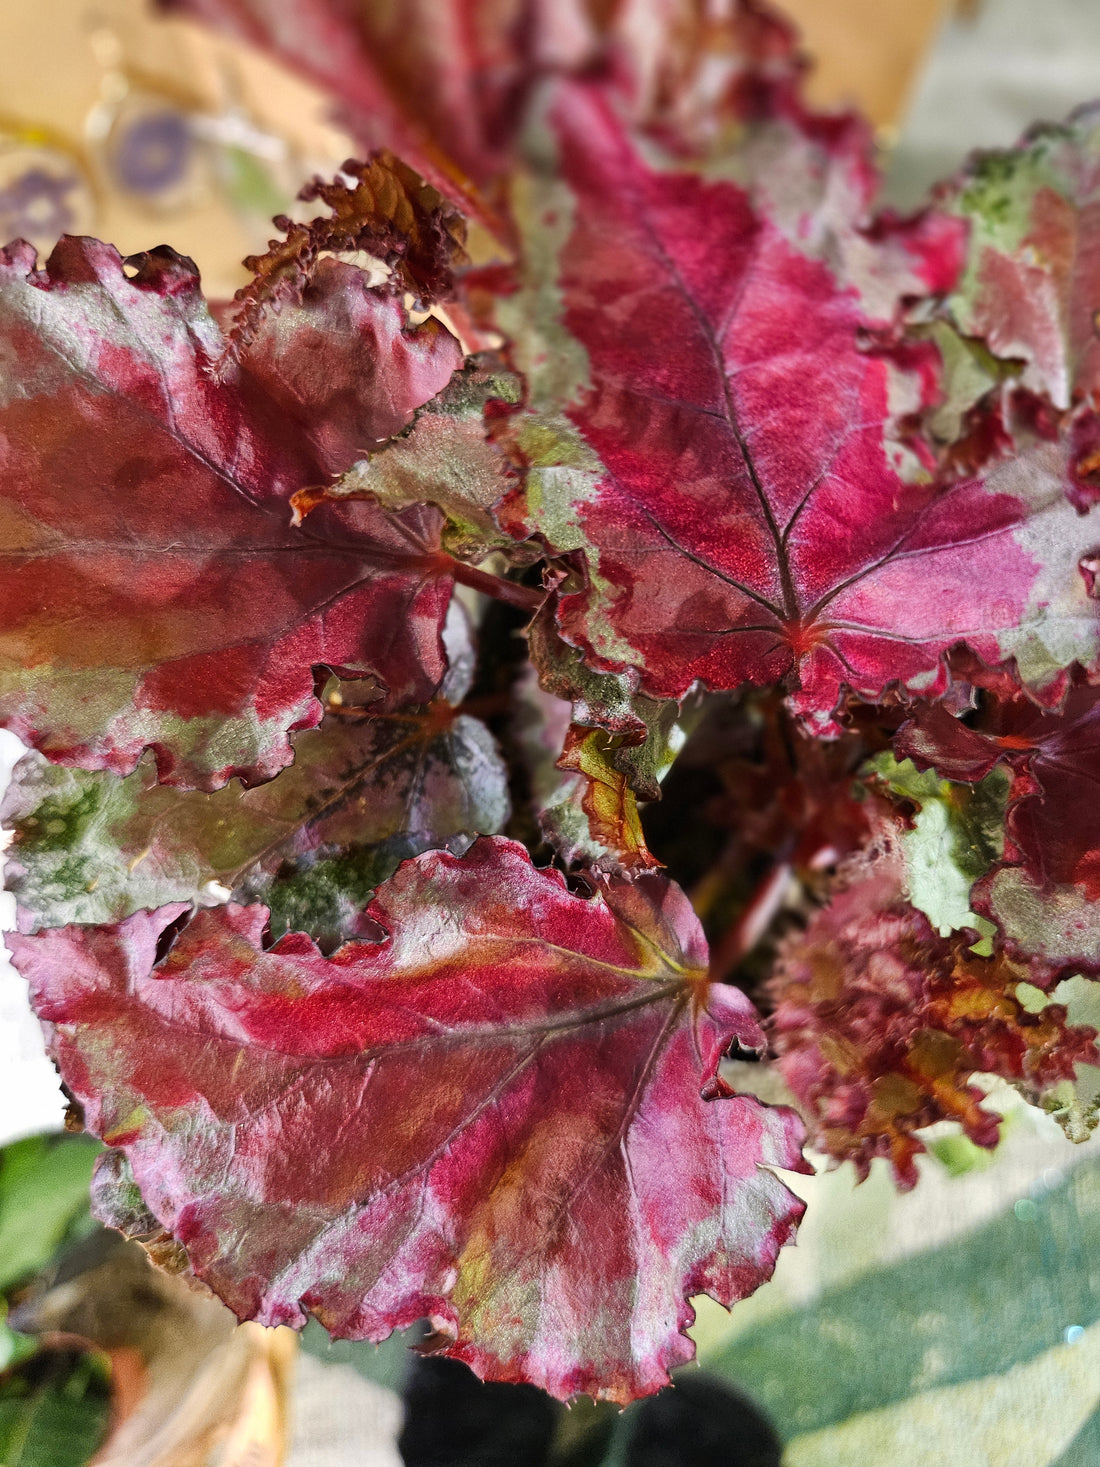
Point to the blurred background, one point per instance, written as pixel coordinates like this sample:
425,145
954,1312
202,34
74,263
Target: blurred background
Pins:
957,1324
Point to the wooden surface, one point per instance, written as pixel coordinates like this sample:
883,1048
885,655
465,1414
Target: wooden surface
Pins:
868,53
73,73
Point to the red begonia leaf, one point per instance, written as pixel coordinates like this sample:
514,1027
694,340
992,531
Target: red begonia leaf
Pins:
813,177
1028,296
1032,278
346,368
493,1116
879,1024
442,83
1043,894
724,467
155,593
936,737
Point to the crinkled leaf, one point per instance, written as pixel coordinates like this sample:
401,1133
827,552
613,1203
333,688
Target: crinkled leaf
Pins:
385,210
155,593
1042,894
364,792
1074,1104
879,1025
935,738
735,502
1031,283
473,1118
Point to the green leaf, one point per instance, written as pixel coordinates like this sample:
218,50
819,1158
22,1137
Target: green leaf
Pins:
364,793
956,835
53,1413
44,1184
924,1322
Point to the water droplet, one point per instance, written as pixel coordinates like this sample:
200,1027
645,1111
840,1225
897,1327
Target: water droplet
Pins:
1025,1210
1073,1333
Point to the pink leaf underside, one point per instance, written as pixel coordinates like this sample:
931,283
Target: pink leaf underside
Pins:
748,525
493,1116
155,593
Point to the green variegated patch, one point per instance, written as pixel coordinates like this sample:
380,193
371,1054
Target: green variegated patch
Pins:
363,794
956,835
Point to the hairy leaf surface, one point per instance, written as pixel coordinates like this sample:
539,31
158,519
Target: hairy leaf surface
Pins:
155,594
493,1116
880,1024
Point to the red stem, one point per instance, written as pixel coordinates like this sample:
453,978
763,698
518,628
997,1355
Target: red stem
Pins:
527,598
736,943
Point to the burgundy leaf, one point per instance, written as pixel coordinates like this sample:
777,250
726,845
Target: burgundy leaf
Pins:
1043,894
879,1025
156,594
935,737
493,1116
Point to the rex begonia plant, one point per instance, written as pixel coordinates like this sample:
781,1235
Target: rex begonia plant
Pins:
424,659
